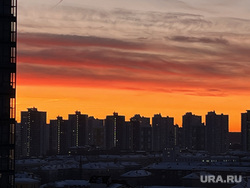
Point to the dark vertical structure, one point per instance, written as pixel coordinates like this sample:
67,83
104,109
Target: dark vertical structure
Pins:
176,135
135,125
96,134
217,133
157,123
79,129
163,132
115,128
141,133
193,132
245,131
35,133
7,90
58,136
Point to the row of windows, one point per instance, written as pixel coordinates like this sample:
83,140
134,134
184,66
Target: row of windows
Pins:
8,7
8,56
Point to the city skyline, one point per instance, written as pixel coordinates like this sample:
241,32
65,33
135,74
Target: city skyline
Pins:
135,56
128,118
37,138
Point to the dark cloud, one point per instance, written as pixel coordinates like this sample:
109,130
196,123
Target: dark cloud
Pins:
140,63
138,56
135,64
49,40
85,77
199,39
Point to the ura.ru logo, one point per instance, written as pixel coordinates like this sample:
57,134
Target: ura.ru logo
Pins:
219,179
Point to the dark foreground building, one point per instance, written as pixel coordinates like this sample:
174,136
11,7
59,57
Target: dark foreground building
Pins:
7,91
58,136
35,133
115,132
193,132
245,131
217,133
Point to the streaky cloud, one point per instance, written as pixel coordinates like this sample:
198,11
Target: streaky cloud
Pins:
199,39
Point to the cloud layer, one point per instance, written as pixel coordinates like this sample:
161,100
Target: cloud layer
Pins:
143,50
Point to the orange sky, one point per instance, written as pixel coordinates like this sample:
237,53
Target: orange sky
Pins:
100,102
168,57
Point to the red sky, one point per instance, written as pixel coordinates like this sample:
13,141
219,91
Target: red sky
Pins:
146,57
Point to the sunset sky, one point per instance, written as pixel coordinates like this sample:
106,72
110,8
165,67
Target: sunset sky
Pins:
134,56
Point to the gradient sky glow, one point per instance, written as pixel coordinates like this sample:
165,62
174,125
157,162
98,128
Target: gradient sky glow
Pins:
134,56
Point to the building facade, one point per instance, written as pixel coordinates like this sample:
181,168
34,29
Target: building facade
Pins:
141,133
96,136
216,133
78,124
34,133
163,132
245,131
58,136
7,90
193,132
115,129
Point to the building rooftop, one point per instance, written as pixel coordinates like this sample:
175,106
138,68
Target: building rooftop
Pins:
102,165
66,183
26,180
136,173
30,161
25,177
196,175
195,167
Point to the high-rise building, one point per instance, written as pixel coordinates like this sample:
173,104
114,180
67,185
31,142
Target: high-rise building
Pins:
7,90
58,137
78,124
115,128
176,136
129,135
96,134
245,131
216,133
193,132
34,133
135,124
180,137
163,132
141,133
234,140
